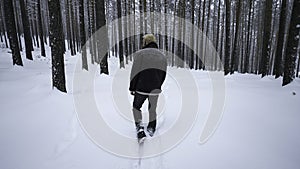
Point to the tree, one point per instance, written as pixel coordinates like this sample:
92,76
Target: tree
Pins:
280,45
56,44
292,48
192,41
82,35
2,26
73,30
41,32
101,23
166,24
202,41
248,45
120,30
235,57
26,29
12,32
266,51
227,38
218,46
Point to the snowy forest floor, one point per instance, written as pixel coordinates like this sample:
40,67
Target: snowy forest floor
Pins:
39,127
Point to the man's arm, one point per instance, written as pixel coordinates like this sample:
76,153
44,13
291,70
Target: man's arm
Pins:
134,73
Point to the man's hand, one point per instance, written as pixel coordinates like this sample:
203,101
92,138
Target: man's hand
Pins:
132,93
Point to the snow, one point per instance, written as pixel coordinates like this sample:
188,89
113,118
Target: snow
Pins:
40,130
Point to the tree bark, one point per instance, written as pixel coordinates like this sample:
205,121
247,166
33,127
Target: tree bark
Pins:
280,45
292,45
120,31
12,32
266,51
235,57
82,35
26,29
41,32
101,23
56,44
227,38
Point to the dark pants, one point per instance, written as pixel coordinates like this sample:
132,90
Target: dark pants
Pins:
138,102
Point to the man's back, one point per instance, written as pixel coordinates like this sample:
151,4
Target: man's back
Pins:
148,71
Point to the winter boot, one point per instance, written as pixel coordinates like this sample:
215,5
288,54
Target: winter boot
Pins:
151,128
140,133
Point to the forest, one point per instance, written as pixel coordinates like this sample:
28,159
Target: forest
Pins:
235,36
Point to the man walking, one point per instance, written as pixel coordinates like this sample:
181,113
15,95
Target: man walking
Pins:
147,76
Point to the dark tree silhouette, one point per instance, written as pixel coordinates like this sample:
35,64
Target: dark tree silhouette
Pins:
57,43
266,51
120,30
41,32
26,29
101,23
82,35
280,46
292,48
235,57
227,38
12,32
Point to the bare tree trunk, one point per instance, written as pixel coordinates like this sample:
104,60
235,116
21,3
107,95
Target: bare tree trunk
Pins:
17,20
12,32
41,32
280,45
56,41
264,66
292,47
101,23
73,25
248,45
192,42
3,27
26,28
82,35
166,25
235,55
120,30
227,38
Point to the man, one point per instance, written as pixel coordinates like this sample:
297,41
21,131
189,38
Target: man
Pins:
147,76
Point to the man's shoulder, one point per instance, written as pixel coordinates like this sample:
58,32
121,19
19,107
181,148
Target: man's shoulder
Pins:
150,51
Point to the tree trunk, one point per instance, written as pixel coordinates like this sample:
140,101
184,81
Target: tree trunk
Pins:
280,45
120,31
12,32
3,27
82,35
248,45
73,25
227,38
264,66
125,33
192,43
101,23
68,24
41,32
142,19
26,28
17,20
166,26
202,50
56,44
235,55
292,45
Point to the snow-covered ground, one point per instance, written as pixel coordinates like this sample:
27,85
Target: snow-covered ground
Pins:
40,130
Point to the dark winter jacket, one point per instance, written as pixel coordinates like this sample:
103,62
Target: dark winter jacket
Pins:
148,70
